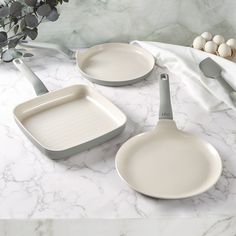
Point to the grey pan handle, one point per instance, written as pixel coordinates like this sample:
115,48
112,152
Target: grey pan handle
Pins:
62,49
38,85
165,111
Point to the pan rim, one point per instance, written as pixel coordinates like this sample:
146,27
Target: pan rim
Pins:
111,83
120,126
188,194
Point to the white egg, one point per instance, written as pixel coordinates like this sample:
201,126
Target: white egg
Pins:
231,43
207,36
199,42
218,39
210,47
224,50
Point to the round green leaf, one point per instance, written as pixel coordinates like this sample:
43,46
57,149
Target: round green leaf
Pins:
44,10
52,3
31,3
31,21
15,29
31,33
13,42
3,36
28,55
53,16
4,12
15,9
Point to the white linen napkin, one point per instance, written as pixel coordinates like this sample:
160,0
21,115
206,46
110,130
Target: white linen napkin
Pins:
184,63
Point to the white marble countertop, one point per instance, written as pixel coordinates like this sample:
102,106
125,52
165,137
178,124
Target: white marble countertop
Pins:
87,185
205,226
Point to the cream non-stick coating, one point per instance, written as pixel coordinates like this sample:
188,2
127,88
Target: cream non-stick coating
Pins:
168,163
115,62
68,117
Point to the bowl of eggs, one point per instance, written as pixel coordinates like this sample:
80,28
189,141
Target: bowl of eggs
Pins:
215,44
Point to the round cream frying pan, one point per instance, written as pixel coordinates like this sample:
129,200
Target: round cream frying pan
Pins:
167,162
109,64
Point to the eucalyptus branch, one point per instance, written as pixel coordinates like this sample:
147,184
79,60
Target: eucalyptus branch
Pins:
22,24
8,23
10,28
15,36
40,20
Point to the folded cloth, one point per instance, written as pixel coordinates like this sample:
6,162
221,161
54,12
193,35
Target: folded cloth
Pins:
184,63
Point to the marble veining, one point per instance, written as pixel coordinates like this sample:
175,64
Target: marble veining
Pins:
213,226
87,22
87,185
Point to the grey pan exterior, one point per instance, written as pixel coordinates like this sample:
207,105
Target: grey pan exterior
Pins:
115,83
57,155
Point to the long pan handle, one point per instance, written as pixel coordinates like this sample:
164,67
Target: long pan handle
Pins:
165,111
38,85
62,49
227,86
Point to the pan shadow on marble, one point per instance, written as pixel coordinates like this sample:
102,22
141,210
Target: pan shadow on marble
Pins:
101,153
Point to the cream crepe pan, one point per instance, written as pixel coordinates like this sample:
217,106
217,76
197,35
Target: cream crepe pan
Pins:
167,162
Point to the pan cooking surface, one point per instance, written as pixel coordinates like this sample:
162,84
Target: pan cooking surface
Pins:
117,63
67,118
168,164
68,124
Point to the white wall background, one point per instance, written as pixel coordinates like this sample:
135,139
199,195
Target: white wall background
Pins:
89,22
